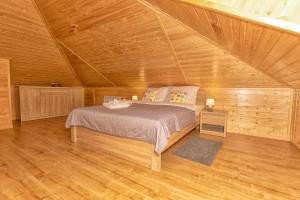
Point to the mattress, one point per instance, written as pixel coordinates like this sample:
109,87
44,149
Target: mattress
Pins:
152,123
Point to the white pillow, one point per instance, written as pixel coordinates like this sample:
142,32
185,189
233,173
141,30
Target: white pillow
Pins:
162,94
183,94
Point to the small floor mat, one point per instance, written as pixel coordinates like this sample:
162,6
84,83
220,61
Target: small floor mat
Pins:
199,149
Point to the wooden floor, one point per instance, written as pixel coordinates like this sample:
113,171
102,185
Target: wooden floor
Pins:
38,161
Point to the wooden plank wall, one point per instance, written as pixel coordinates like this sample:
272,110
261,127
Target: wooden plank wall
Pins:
262,112
5,99
15,103
94,96
296,128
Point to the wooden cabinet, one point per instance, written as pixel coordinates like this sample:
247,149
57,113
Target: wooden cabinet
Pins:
5,98
30,103
45,102
214,123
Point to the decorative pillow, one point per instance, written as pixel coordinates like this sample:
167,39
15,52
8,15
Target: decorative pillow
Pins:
150,94
184,94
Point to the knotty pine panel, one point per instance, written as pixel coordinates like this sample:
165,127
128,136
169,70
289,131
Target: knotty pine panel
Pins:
87,75
262,112
206,65
89,96
276,9
96,95
15,103
273,51
134,47
127,44
24,38
5,96
296,128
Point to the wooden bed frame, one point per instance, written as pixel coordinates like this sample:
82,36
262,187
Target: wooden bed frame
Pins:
133,150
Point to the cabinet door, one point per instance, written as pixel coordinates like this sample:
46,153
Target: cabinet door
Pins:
30,103
5,105
55,102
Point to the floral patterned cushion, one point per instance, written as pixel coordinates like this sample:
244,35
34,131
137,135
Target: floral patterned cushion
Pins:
150,95
183,94
179,96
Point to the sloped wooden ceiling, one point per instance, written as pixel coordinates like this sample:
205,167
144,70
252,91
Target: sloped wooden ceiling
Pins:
287,10
121,39
35,59
131,45
206,65
89,76
270,50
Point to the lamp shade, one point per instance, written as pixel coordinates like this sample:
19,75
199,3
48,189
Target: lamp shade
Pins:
210,102
135,98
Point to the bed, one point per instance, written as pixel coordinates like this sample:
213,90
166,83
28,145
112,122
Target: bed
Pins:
139,133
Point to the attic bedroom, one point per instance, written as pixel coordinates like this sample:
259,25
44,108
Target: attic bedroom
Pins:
149,99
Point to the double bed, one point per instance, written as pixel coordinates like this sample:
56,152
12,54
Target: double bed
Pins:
139,133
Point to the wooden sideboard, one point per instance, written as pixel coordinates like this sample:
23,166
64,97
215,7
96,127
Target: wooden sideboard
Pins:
46,102
5,99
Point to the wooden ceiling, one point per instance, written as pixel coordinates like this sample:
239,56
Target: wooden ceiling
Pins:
89,76
35,59
121,39
269,49
287,10
207,65
282,14
131,43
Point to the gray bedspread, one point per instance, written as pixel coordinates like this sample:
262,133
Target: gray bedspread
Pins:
150,123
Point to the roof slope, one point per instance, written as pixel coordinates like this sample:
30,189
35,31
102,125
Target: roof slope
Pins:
269,49
131,45
89,76
35,58
287,10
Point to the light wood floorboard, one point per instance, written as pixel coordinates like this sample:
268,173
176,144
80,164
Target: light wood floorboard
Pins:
38,161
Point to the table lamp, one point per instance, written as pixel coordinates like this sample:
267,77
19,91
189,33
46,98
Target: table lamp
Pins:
210,103
135,98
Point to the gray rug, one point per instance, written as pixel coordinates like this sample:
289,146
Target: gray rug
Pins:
200,150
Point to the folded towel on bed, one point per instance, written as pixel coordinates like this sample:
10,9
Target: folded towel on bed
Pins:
117,104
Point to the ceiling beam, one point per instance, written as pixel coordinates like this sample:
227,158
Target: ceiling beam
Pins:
83,60
61,51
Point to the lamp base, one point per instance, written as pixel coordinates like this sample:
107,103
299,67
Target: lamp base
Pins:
210,109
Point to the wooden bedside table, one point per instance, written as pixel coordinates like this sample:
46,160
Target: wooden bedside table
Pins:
214,123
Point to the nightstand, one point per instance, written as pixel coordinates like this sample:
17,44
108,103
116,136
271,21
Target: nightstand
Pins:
214,123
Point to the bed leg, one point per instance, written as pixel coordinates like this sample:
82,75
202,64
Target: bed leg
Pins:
74,134
156,162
